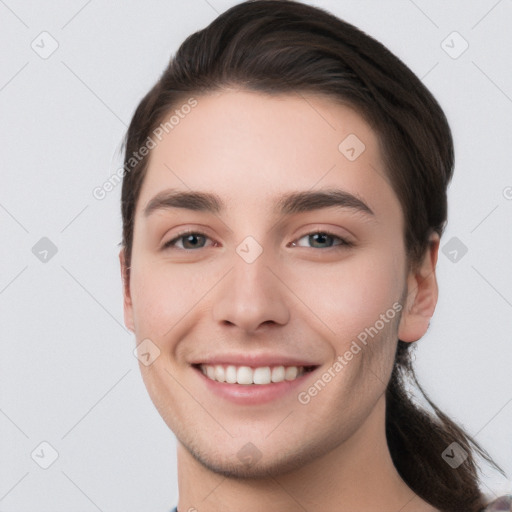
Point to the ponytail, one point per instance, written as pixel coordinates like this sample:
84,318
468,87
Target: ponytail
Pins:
417,440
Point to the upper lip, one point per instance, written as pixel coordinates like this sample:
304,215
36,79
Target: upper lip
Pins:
254,360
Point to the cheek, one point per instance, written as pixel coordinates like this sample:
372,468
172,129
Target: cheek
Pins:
351,296
164,294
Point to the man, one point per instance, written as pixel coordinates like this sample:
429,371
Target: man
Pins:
274,273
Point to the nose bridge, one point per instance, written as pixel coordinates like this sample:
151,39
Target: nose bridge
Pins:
251,294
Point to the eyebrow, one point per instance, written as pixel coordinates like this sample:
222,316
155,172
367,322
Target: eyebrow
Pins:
288,204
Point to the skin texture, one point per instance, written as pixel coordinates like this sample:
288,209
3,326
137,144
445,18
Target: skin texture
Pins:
305,300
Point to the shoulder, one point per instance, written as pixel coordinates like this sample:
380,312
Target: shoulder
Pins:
501,504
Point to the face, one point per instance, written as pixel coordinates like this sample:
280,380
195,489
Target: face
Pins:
287,280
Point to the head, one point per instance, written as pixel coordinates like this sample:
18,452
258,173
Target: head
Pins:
287,206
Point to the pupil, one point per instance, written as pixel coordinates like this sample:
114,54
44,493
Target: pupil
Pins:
321,238
192,240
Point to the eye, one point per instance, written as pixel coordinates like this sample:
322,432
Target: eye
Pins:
190,240
322,240
187,240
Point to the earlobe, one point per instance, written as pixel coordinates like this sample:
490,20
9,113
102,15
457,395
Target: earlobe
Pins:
422,294
127,300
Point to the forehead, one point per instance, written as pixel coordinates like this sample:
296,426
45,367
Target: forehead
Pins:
249,148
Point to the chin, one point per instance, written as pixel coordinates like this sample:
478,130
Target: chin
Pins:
249,463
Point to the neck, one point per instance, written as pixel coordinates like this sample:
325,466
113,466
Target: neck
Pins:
358,475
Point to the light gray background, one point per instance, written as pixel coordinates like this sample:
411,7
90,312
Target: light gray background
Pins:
68,375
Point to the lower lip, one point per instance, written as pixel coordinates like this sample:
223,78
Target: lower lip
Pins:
253,394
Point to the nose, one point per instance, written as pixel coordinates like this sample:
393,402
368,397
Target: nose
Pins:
251,297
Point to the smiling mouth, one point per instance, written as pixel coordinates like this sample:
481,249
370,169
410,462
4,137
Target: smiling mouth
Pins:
247,375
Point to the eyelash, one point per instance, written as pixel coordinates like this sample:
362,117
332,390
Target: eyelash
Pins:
343,242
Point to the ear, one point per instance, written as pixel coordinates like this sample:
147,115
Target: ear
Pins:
127,299
422,293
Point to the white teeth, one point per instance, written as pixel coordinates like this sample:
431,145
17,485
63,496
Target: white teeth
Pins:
278,373
291,373
231,374
246,375
261,375
219,373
